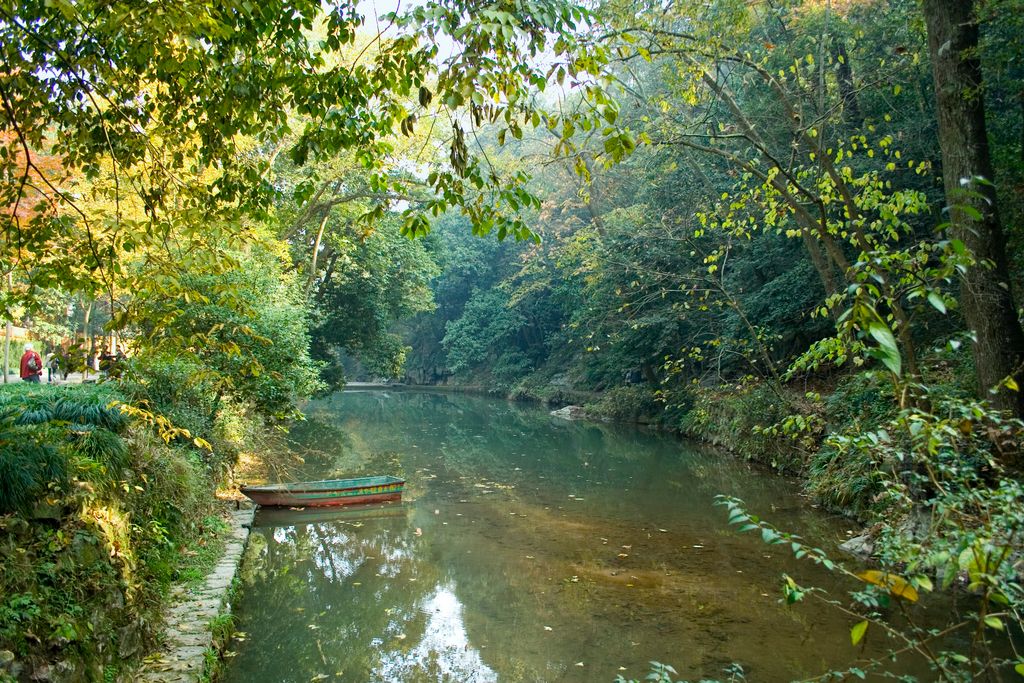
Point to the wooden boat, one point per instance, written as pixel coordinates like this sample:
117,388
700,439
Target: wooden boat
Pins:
327,492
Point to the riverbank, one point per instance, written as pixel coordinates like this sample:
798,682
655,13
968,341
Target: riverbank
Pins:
104,506
198,616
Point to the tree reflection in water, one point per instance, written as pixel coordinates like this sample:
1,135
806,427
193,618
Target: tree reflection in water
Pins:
526,549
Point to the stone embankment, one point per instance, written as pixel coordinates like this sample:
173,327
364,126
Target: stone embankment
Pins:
188,635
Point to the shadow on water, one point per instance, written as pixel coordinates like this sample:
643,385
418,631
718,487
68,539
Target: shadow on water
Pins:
527,548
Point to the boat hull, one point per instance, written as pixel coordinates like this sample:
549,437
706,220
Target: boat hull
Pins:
329,493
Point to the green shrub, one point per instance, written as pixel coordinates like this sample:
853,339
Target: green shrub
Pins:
29,466
638,403
739,419
177,387
843,481
948,515
50,434
862,398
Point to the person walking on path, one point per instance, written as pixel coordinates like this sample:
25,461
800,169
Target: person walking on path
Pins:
31,365
52,367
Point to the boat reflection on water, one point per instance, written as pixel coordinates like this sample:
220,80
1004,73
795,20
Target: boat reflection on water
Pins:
281,516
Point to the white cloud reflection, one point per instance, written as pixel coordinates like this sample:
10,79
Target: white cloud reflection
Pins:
443,653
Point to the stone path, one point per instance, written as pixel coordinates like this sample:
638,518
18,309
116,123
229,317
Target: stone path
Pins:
187,634
72,378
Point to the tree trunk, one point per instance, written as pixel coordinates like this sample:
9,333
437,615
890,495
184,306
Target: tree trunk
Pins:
985,298
8,333
847,90
87,339
316,252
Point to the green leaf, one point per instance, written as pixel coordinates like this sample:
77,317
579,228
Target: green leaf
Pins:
994,622
858,631
889,352
1019,668
935,300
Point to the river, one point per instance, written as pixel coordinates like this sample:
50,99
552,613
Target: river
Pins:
527,549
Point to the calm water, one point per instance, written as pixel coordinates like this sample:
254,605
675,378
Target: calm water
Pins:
528,549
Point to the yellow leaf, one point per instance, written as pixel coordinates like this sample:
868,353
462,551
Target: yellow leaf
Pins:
896,586
858,631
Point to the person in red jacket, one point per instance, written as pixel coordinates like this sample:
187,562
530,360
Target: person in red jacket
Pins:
31,364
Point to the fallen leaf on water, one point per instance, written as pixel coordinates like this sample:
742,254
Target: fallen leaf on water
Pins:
400,636
627,547
419,531
579,663
318,677
622,668
623,554
548,628
664,531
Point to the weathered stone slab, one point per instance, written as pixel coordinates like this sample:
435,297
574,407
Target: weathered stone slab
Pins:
188,635
197,639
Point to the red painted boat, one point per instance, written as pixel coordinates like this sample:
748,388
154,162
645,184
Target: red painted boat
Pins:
327,492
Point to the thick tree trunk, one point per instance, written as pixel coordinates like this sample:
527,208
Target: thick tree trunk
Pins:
985,297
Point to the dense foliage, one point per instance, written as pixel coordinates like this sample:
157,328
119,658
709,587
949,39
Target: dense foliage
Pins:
93,509
792,228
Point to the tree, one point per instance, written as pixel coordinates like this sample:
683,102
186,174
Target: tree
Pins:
184,108
985,294
370,281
